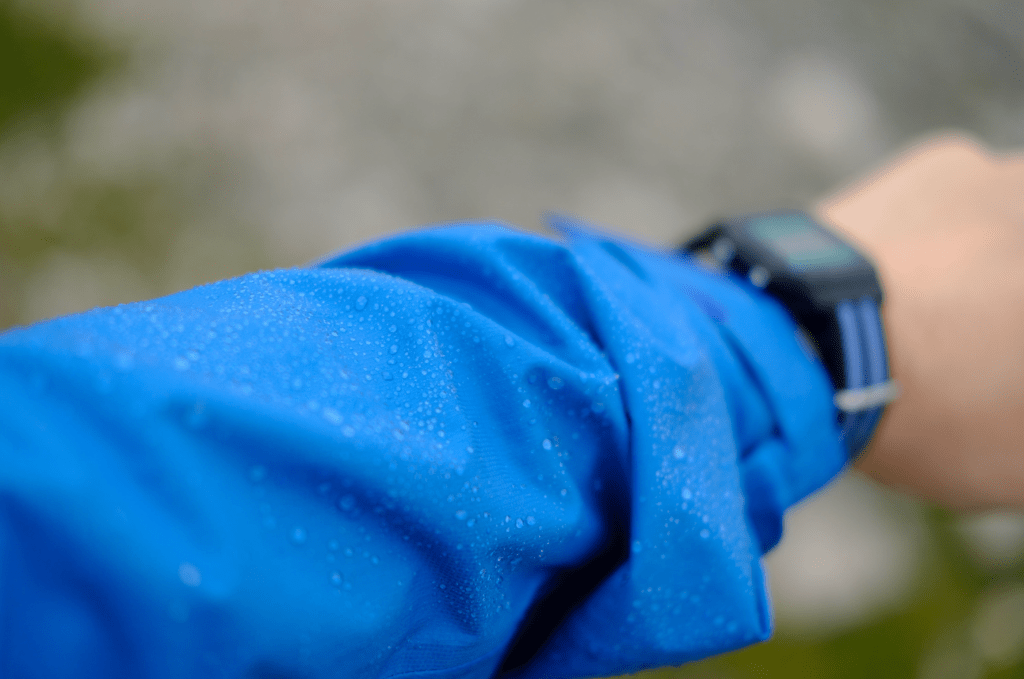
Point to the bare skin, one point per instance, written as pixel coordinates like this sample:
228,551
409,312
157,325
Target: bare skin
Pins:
944,222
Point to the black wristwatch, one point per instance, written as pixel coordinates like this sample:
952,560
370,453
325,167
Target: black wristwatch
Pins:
833,293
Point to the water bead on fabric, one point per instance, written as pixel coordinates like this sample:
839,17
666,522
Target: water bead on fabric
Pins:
315,502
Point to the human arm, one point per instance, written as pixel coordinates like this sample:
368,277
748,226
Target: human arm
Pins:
251,477
945,223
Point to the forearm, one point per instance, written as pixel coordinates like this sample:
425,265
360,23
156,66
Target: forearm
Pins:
945,223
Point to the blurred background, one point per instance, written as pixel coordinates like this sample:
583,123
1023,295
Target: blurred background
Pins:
151,145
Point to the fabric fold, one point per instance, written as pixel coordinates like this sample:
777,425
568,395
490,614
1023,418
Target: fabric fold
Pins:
383,465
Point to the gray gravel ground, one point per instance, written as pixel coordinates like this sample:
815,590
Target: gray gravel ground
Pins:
322,123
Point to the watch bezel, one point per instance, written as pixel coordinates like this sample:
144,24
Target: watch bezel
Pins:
807,291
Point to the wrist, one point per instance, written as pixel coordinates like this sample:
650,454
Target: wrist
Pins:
946,438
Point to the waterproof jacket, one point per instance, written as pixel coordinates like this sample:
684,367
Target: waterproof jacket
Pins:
460,452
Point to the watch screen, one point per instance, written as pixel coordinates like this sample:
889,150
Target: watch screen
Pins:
802,243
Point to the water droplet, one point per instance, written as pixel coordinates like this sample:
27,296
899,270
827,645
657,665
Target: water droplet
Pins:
637,546
630,358
519,523
298,535
124,360
546,444
687,494
189,575
348,551
443,586
336,579
507,518
461,515
349,431
531,521
705,534
332,415
347,502
393,328
361,303
510,341
555,383
526,403
333,545
394,348
257,473
471,523
387,376
678,452
374,560
565,491
597,408
181,363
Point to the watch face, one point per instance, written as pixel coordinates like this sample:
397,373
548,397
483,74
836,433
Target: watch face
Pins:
802,244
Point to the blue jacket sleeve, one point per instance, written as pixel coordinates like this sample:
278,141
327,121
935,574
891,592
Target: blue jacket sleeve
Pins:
455,453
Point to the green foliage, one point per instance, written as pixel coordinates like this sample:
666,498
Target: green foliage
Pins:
42,66
135,220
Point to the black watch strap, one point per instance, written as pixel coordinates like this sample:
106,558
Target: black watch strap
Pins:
835,299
